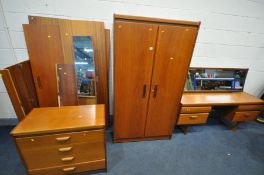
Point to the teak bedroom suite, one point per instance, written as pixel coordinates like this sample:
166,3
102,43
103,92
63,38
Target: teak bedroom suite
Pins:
61,95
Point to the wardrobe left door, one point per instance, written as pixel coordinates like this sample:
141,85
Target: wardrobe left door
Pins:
133,60
45,51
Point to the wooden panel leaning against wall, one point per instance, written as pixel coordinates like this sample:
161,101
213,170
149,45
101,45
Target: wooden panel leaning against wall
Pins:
45,51
19,83
101,43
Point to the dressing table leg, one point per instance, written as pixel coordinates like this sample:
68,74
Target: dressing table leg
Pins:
185,128
234,128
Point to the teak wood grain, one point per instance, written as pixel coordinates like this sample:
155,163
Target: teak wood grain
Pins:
133,59
50,140
71,168
45,51
67,85
58,119
12,92
172,59
198,118
219,99
155,20
70,28
23,81
89,147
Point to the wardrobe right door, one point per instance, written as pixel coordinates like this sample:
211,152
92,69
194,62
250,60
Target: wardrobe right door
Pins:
173,54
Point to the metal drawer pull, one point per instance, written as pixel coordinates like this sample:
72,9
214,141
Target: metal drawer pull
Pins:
63,138
68,169
65,159
193,117
65,149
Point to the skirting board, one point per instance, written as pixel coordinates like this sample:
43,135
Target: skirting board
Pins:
8,121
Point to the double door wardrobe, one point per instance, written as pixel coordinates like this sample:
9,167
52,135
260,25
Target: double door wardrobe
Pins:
151,60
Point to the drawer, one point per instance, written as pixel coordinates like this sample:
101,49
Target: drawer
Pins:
196,109
71,169
250,107
56,139
245,116
58,155
198,118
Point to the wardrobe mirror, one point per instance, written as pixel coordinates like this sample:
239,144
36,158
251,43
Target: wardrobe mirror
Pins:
215,79
84,66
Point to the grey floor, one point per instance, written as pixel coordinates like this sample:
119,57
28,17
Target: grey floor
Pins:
208,149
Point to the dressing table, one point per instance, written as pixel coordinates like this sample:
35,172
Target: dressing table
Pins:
217,95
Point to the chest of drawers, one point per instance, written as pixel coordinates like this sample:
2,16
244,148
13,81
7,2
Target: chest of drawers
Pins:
62,140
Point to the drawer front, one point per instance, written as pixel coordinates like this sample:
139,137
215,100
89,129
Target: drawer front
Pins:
71,169
204,109
55,139
245,116
93,148
198,118
250,107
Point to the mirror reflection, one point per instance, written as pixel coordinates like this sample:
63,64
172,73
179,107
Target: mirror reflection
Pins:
84,65
219,79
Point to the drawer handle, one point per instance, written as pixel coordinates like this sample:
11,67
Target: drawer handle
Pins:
65,159
65,149
60,139
193,117
246,115
68,169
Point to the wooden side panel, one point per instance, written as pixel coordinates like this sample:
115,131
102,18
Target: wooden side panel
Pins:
42,20
133,58
173,54
11,90
107,54
66,40
67,85
45,51
23,81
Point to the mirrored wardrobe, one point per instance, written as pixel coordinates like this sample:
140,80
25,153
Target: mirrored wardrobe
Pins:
69,61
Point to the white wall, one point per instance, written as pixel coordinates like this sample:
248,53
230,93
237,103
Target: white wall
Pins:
231,34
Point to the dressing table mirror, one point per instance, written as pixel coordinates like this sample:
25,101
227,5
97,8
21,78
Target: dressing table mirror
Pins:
215,79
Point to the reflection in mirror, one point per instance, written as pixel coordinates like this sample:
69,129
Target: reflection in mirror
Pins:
84,66
218,79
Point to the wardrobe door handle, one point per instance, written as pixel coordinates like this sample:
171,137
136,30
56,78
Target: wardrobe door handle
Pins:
144,91
155,91
39,82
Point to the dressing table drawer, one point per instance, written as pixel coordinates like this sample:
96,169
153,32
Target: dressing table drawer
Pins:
187,110
198,118
245,116
250,107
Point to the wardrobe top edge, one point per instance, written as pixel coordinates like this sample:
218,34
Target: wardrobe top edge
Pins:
158,20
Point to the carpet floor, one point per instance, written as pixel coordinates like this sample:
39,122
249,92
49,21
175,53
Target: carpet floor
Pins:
208,149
